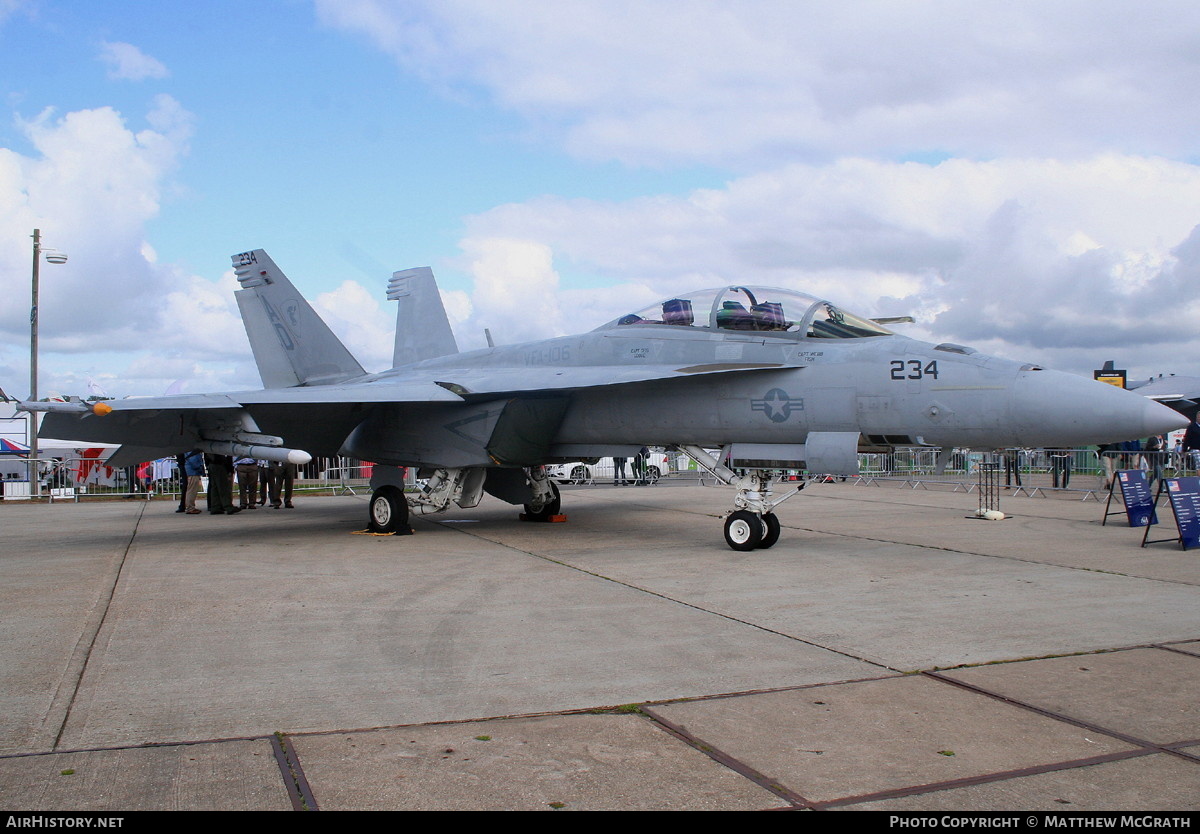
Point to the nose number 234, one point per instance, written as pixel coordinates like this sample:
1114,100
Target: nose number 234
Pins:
913,369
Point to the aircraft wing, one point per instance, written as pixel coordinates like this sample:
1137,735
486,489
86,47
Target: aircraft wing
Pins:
497,381
316,417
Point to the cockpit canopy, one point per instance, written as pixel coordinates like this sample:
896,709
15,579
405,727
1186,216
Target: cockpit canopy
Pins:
758,309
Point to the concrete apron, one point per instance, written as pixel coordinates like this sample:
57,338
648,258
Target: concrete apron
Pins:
128,624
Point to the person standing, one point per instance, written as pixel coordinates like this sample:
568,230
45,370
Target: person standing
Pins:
193,472
247,476
1152,454
286,481
266,473
619,474
1060,468
1012,467
180,463
639,466
220,484
1108,459
281,477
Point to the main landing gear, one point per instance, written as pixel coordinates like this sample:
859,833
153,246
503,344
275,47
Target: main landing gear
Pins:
388,511
752,523
546,502
389,508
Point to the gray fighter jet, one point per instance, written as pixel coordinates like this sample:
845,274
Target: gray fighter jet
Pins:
778,379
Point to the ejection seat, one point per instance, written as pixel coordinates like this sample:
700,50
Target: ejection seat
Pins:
733,316
678,311
769,316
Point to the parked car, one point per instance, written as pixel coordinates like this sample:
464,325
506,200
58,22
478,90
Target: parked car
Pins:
604,470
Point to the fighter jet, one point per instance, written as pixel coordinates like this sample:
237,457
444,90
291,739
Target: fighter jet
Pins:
777,379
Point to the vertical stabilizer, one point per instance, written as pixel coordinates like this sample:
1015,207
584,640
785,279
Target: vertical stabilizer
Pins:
292,345
422,328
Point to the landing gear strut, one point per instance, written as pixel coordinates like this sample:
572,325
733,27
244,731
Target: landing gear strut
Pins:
752,523
546,502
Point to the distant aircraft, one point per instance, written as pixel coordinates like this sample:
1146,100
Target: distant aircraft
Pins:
1181,393
779,379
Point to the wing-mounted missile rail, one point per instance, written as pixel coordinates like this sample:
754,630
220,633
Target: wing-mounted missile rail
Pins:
225,434
98,409
237,434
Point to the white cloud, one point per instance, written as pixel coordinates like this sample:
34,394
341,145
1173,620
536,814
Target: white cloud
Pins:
126,62
364,326
982,251
91,186
515,293
665,83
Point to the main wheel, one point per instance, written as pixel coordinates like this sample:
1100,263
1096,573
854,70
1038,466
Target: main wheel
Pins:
387,511
770,524
543,511
743,530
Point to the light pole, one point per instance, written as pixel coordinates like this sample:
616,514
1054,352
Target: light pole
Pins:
53,257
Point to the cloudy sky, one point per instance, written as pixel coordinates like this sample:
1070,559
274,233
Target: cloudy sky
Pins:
1023,177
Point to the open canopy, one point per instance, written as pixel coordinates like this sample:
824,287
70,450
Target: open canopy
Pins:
760,309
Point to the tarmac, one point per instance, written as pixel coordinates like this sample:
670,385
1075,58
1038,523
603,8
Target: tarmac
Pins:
889,653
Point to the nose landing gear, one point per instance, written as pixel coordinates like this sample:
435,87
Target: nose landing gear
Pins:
752,523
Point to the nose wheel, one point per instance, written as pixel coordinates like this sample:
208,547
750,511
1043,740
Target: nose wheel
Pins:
770,523
745,530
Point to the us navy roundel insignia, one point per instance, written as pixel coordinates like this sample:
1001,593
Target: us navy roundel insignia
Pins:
778,405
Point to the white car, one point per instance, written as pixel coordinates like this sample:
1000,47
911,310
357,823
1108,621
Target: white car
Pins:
604,471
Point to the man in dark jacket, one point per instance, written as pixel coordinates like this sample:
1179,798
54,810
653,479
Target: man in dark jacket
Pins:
220,484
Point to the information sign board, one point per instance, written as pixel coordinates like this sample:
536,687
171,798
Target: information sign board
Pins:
1139,502
1184,494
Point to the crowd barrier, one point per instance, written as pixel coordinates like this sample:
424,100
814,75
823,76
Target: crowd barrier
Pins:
1082,473
87,478
1021,471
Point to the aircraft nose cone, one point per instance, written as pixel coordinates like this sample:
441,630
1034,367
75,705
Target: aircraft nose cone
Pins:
1057,409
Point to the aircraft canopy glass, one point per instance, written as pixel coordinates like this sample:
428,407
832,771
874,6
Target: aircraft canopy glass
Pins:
757,309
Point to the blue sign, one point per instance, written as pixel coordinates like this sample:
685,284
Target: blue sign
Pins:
1139,503
1185,503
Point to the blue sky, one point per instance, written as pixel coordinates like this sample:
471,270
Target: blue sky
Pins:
1020,176
304,136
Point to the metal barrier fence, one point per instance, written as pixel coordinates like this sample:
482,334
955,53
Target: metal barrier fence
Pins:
1033,472
1024,471
84,478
